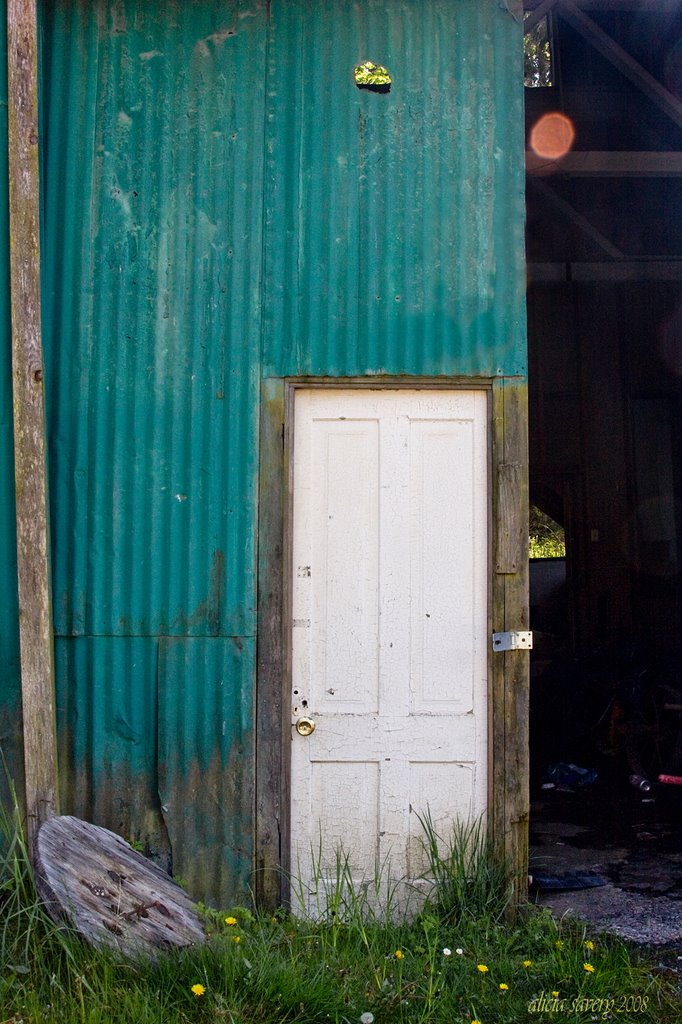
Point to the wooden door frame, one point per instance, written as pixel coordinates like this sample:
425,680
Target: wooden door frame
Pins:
507,610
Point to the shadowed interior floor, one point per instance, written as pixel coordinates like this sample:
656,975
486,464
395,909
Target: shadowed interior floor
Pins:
631,840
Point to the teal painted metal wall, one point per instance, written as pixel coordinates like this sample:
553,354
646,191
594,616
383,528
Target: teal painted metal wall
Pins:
153,156
395,221
222,205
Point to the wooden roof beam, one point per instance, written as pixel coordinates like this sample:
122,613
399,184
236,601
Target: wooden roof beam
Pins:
608,164
582,223
539,12
621,59
612,271
652,7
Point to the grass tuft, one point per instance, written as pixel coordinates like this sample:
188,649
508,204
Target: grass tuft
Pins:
454,962
470,881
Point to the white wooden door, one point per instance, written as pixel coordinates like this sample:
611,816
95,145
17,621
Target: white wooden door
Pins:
389,627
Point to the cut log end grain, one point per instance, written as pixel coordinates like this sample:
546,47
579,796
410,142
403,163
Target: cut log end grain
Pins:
109,893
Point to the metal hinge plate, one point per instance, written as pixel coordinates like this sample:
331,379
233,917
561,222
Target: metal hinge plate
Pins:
514,640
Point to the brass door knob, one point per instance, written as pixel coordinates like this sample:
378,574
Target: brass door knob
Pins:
304,726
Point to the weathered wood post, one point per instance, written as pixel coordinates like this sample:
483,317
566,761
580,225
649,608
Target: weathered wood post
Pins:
35,604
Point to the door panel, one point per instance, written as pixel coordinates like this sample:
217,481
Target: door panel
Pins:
389,626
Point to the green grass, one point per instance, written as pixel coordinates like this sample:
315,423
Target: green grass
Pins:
547,538
448,964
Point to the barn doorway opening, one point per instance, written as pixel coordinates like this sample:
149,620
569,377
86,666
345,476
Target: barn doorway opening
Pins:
604,247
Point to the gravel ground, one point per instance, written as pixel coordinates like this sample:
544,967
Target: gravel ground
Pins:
633,846
645,920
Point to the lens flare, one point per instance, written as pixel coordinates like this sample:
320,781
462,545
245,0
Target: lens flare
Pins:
552,136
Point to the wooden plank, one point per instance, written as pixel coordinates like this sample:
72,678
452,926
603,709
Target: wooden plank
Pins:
112,895
648,269
540,12
35,604
517,663
509,599
511,525
608,164
582,223
496,745
652,7
287,556
621,59
271,658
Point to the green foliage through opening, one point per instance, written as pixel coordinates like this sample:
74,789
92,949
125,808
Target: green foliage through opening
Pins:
537,52
547,538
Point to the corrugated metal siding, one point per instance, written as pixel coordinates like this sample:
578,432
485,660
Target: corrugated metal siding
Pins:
394,224
152,267
206,769
107,727
153,154
10,682
392,244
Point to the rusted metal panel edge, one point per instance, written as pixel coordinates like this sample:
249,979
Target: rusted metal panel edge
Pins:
107,737
205,762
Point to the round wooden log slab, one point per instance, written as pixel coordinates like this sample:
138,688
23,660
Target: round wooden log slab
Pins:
111,895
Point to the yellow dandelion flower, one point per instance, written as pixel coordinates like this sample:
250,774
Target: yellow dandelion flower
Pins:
236,938
527,963
399,954
589,968
475,1022
555,994
559,943
231,920
482,968
589,945
198,990
505,988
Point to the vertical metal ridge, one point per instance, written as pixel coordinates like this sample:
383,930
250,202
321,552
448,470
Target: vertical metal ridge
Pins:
154,230
63,164
199,769
153,212
509,219
431,168
165,304
107,764
145,535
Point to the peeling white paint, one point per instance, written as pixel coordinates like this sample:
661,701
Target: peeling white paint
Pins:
390,515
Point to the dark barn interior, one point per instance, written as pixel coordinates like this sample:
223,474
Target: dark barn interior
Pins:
604,249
